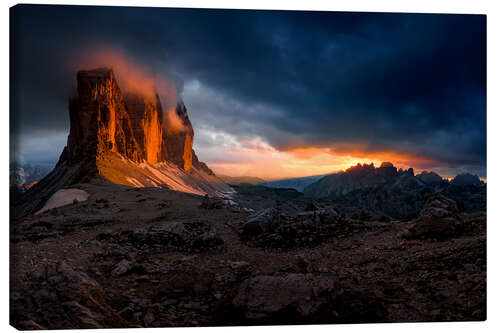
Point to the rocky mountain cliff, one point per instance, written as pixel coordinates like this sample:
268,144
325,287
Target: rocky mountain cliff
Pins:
104,120
398,193
354,178
127,138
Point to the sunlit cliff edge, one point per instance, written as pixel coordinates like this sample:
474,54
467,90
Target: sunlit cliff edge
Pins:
126,138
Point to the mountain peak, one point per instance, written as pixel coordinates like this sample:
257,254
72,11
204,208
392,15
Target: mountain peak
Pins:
106,120
397,193
97,72
126,137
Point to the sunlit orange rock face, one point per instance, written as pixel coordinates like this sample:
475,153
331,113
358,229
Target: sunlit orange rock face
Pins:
104,119
146,117
124,137
179,137
99,119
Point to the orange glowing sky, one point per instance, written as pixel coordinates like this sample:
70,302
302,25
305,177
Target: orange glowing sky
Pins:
257,158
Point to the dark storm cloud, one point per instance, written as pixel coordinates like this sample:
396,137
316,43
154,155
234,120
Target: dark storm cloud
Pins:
388,82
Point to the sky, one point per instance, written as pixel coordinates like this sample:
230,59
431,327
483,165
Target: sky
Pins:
272,94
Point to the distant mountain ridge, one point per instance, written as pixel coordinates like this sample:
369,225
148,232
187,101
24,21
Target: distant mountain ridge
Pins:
298,184
20,174
237,180
22,177
397,193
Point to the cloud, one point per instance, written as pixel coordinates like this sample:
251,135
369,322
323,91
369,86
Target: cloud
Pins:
40,147
132,77
368,83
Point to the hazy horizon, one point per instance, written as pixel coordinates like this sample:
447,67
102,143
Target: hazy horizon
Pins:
51,165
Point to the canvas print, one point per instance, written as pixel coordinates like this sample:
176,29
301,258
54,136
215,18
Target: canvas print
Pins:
206,167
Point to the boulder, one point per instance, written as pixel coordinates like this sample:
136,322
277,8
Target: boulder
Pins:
296,298
438,206
208,240
438,219
264,221
263,297
272,229
121,268
171,236
239,266
212,203
75,301
175,228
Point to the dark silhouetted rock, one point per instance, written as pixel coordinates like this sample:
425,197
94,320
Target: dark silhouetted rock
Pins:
263,221
298,295
438,219
466,179
302,298
354,178
397,194
121,268
73,300
167,236
430,178
212,203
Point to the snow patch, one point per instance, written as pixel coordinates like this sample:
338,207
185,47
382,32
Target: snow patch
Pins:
64,197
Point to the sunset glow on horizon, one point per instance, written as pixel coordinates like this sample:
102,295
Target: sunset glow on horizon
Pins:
257,158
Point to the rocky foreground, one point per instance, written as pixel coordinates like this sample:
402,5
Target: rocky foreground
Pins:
151,257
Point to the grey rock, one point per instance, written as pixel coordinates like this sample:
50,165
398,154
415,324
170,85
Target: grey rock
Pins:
438,219
264,296
121,268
